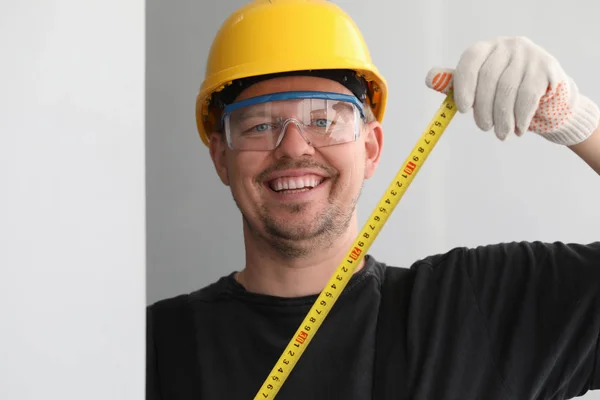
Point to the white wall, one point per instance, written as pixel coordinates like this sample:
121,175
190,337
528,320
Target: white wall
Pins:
72,208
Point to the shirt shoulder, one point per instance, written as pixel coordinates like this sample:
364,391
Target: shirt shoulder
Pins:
509,310
209,293
522,254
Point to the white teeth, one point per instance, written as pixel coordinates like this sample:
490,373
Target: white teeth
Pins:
290,183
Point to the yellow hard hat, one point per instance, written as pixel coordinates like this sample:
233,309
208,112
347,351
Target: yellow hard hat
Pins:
272,36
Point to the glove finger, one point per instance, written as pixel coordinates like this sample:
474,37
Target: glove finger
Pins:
440,79
466,74
504,103
531,90
487,84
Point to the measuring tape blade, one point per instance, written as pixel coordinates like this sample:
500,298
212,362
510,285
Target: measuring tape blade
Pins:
338,281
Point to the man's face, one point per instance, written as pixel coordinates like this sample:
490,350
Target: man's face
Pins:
330,178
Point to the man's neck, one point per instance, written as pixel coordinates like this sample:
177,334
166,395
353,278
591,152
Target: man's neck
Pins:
268,273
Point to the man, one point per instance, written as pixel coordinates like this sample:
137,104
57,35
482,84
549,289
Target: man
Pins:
291,110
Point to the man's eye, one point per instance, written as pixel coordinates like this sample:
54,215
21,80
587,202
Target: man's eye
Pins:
322,123
261,127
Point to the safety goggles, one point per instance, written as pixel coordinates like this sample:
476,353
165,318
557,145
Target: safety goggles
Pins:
322,118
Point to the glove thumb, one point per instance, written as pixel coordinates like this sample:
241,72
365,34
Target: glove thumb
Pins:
440,79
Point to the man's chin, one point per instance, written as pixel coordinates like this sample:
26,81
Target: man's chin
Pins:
308,226
297,232
303,210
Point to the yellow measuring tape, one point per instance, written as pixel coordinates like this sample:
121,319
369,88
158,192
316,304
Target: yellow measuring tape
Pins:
338,281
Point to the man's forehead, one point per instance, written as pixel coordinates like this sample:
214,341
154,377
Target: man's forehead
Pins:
293,83
305,106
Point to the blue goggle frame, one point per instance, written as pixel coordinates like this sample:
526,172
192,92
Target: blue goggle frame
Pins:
294,95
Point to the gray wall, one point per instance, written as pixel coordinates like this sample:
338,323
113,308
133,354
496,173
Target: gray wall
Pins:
472,190
192,222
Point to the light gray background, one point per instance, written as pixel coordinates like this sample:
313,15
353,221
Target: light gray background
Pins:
72,197
473,189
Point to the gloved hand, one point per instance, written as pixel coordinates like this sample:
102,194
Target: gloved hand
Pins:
514,85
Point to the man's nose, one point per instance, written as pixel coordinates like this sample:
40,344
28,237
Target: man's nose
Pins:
294,143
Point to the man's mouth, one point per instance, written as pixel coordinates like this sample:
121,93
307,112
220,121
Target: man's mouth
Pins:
295,184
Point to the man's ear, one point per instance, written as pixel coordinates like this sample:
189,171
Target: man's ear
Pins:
373,146
218,149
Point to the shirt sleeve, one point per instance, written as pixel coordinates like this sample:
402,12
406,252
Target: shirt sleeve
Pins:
509,321
540,303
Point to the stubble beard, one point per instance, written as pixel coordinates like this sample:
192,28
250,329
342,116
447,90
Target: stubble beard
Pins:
293,242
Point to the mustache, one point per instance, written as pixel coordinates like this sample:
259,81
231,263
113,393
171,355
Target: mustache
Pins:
297,164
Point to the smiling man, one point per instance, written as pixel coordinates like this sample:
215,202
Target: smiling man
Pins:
291,110
294,149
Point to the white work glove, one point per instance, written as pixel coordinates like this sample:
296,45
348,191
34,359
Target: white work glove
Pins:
514,86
